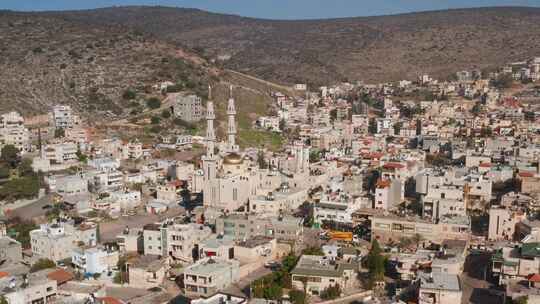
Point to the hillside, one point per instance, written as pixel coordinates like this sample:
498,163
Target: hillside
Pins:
321,51
47,60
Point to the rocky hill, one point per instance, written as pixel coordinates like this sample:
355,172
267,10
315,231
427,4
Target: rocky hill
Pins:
45,60
321,51
89,58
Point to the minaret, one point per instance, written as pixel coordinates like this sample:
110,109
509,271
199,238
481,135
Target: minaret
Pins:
209,160
231,130
210,134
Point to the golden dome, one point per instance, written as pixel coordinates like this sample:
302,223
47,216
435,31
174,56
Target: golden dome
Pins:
233,159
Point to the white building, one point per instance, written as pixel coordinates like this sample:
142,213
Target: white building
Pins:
63,117
208,276
36,288
13,132
94,260
60,153
188,108
440,288
56,241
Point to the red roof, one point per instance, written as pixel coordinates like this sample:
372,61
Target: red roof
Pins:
383,183
526,174
535,277
393,166
373,155
109,300
3,274
485,165
60,276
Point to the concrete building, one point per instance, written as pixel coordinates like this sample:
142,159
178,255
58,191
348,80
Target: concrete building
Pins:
208,276
510,263
388,194
182,240
244,227
56,241
386,228
63,117
440,288
130,241
10,251
177,241
188,108
502,223
217,247
338,210
220,297
68,185
283,200
34,288
60,153
13,132
95,259
320,272
132,149
146,271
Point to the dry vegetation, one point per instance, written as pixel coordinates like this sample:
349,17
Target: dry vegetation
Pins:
321,51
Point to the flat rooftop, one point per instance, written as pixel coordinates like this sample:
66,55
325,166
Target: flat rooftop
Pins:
209,266
440,281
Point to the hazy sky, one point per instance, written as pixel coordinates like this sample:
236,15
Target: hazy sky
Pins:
275,9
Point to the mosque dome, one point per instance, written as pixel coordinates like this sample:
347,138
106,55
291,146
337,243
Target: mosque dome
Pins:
233,159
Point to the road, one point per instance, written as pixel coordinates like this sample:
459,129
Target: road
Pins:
475,288
242,286
109,230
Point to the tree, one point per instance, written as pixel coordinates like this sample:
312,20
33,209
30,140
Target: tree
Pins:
3,300
267,288
175,88
521,300
476,109
25,167
42,264
314,156
155,120
260,160
98,233
331,292
504,81
129,94
22,230
375,262
313,251
166,114
9,155
4,172
397,127
372,127
59,133
24,187
333,115
282,125
81,156
155,129
297,296
153,103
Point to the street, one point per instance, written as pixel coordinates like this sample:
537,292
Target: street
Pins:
475,288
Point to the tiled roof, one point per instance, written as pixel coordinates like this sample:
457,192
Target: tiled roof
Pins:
109,300
60,276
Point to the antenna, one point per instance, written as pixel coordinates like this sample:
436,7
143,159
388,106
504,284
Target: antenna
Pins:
209,92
